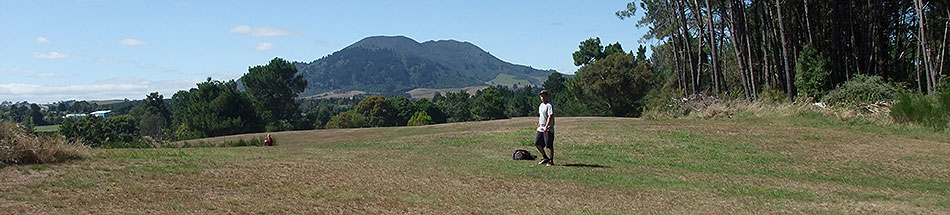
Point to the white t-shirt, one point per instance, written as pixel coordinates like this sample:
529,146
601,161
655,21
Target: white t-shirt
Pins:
545,111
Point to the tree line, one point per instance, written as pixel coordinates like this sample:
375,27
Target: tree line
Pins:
746,47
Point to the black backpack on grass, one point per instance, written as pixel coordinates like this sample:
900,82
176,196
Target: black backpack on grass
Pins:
522,155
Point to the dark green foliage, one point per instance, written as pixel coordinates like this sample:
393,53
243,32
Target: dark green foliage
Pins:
521,102
153,116
489,105
611,49
404,108
349,119
554,84
95,131
812,76
928,110
862,89
378,110
214,108
431,109
274,87
620,80
420,118
457,106
590,50
319,111
393,65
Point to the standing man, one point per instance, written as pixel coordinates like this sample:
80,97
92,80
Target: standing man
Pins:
545,136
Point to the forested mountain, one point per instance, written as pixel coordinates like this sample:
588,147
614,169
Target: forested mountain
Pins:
396,64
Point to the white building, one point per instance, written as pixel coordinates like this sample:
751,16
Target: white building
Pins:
101,113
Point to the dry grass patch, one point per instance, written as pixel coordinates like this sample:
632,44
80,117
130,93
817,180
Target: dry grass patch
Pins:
18,146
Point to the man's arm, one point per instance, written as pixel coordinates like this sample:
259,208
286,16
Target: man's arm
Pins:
549,122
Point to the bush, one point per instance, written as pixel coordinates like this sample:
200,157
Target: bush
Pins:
660,103
773,95
420,118
862,89
349,119
812,76
928,110
94,131
18,146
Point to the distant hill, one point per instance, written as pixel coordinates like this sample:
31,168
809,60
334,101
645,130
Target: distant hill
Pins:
398,64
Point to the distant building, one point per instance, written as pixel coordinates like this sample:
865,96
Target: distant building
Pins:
75,115
101,113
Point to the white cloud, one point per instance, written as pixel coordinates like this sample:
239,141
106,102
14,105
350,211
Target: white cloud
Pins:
49,55
42,40
118,88
263,46
131,42
241,29
260,31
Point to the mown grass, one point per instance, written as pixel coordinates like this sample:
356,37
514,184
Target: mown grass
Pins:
772,164
46,128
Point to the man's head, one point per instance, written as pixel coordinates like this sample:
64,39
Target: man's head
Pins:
544,96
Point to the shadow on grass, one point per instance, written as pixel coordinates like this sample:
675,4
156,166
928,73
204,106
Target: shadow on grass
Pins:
585,165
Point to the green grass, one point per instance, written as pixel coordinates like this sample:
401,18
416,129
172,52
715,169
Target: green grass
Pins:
805,163
46,128
507,80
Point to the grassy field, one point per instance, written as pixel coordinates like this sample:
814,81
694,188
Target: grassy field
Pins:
47,128
803,164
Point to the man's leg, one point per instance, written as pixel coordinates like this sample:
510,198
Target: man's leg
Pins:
539,142
549,143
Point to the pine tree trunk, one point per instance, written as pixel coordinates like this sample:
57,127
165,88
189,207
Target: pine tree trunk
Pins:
808,25
765,53
928,66
713,49
698,15
686,41
788,73
737,47
748,47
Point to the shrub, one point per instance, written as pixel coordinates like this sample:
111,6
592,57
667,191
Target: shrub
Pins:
661,103
773,95
95,131
812,76
349,119
18,146
862,89
928,110
420,118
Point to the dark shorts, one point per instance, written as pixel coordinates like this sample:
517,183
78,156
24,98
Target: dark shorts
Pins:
545,140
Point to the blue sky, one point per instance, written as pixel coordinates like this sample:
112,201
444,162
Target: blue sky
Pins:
94,50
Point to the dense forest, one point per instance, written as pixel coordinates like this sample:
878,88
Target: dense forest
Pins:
800,47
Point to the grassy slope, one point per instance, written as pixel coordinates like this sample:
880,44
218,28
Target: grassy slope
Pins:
807,164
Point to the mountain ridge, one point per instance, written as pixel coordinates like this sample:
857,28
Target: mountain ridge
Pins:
398,64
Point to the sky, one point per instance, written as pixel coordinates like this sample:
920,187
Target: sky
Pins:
99,50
